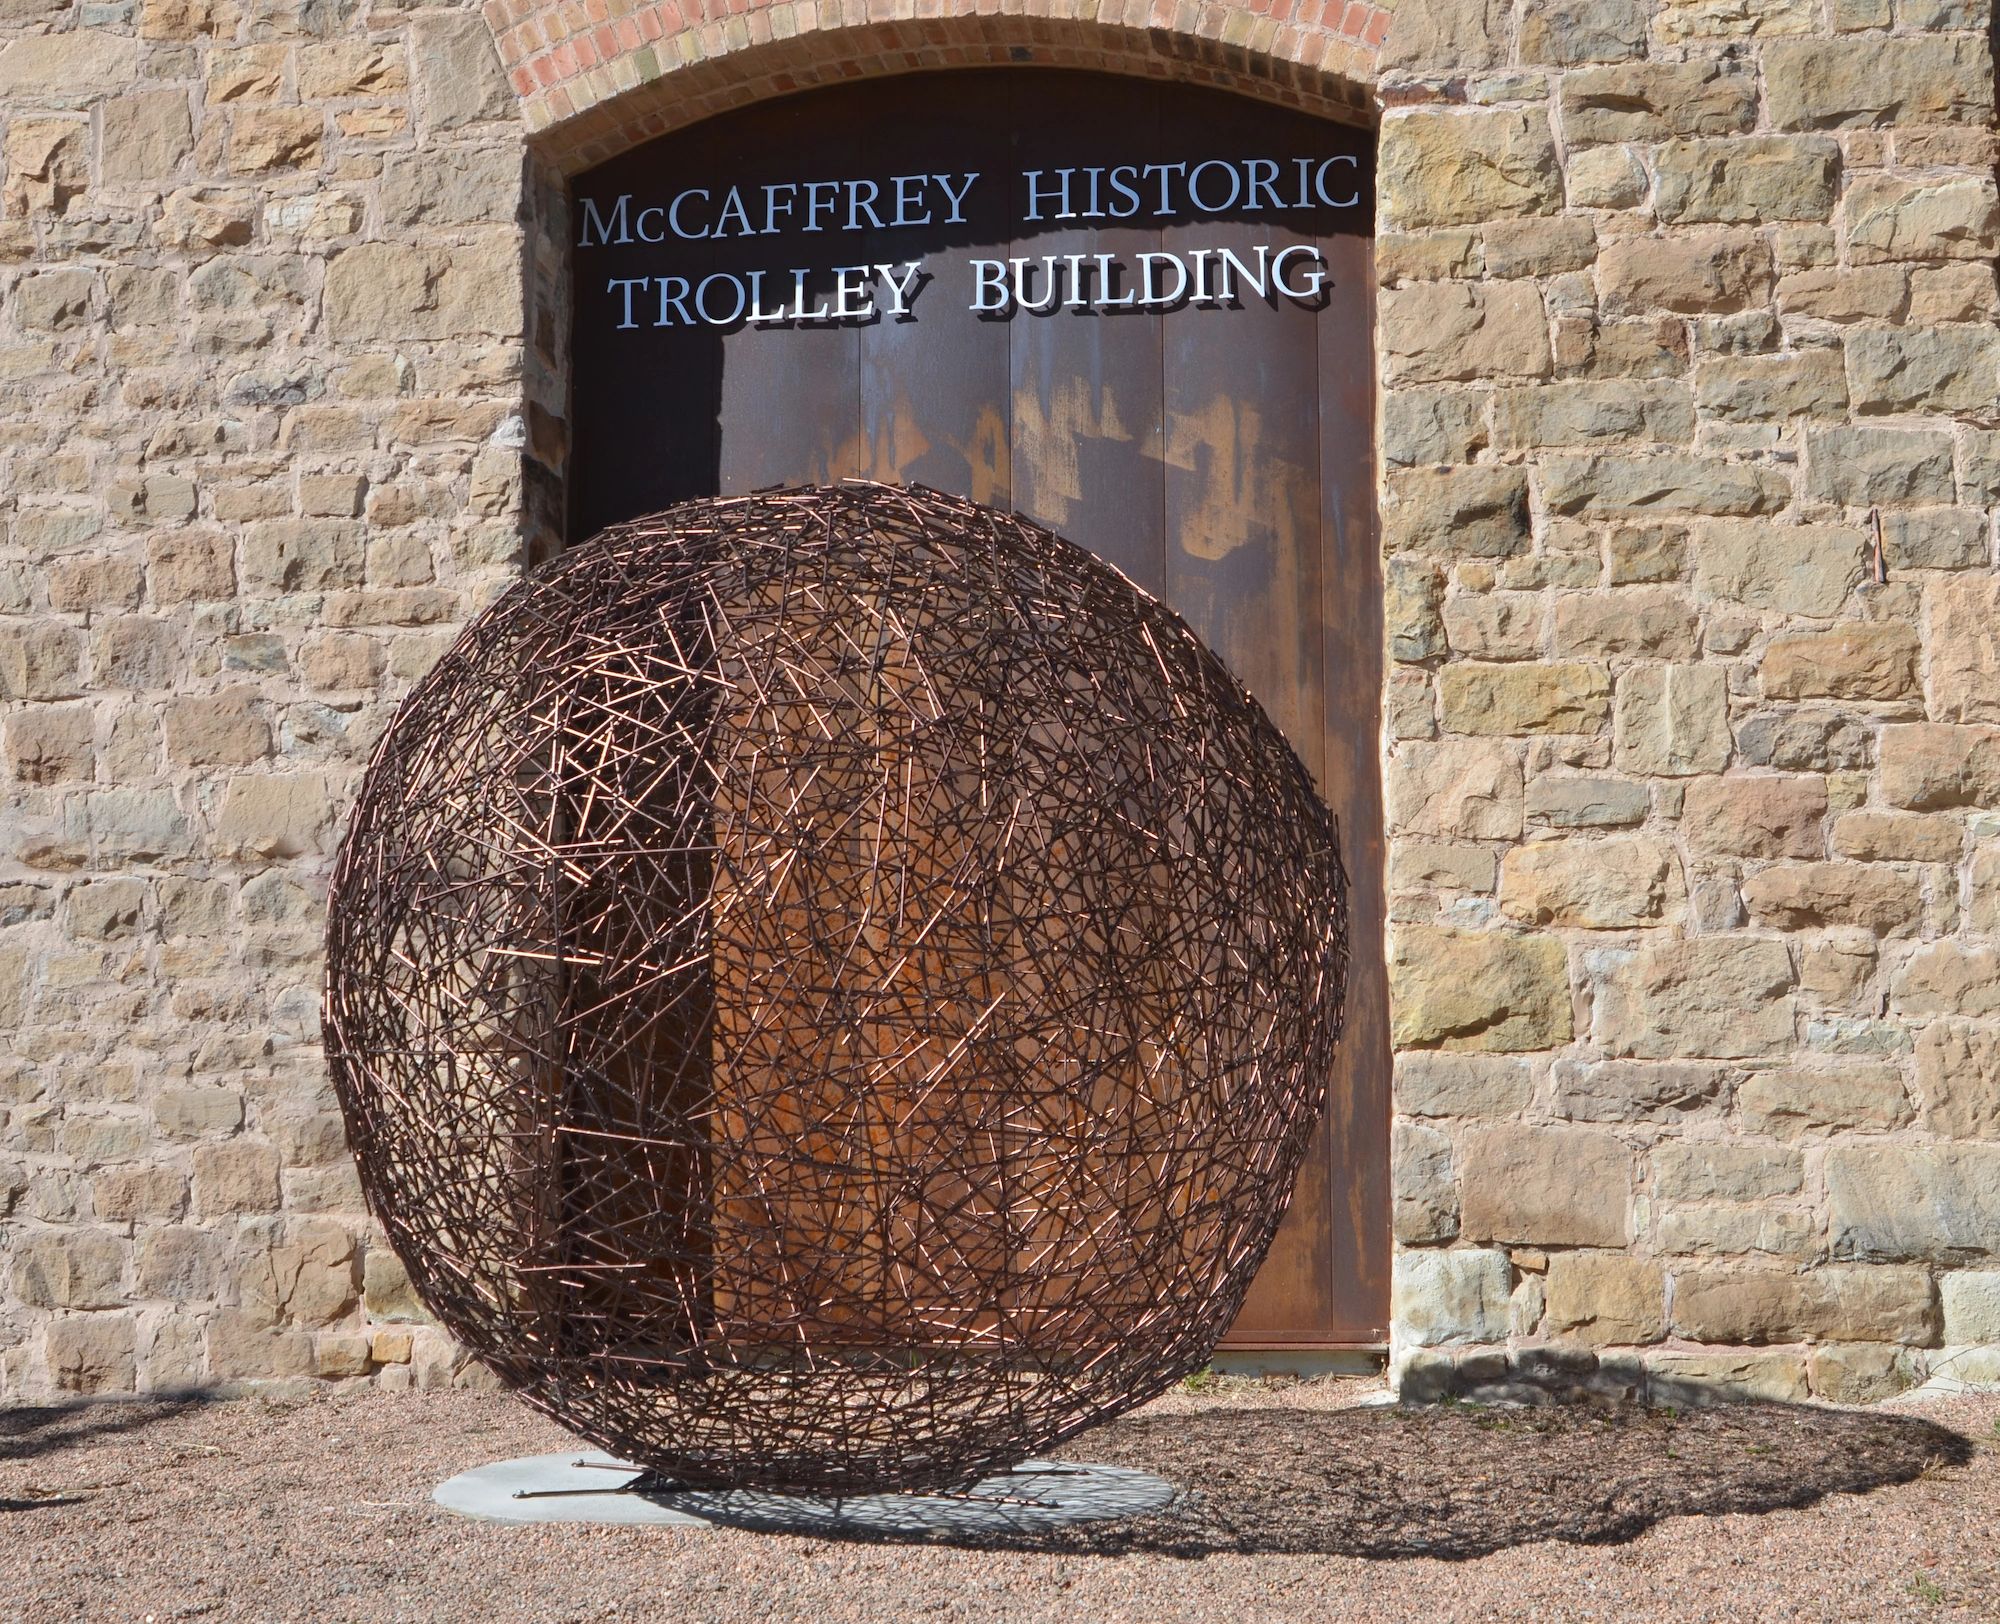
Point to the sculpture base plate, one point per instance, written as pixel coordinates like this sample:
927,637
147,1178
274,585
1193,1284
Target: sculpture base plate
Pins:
565,1488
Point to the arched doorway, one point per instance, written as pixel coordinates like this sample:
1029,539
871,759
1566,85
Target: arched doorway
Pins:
1137,312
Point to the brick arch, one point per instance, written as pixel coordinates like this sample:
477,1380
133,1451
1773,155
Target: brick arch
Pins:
598,76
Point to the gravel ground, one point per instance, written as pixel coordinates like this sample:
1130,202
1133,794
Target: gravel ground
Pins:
1301,1504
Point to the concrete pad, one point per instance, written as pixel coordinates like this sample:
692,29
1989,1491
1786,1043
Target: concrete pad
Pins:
590,1488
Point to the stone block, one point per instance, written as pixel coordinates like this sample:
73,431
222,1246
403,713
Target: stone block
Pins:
237,1176
1538,247
223,729
1494,625
183,1264
1454,332
1756,816
1926,767
274,815
1833,84
1773,388
458,70
1950,978
39,659
1457,1296
1700,273
1587,803
1631,1091
1681,21
1631,622
89,1353
1433,426
1891,219
1896,837
131,826
133,651
70,1268
1565,33
455,187
1855,660
1746,179
1857,1373
1845,293
1653,101
50,744
1423,865
1707,998
1710,1170
1613,884
299,1272
1936,539
1958,1079
1689,1379
1971,1303
105,910
123,1195
1833,1304
1604,1299
263,139
302,555
387,1292
1461,167
1514,699
198,1111
1914,370
1481,990
1901,1202
1448,36
77,64
1433,1083
1572,414
190,566
1890,467
147,137
1962,633
1716,1229
1615,487
1788,1104
242,1347
1412,589
1456,787
1672,720
342,68
1456,512
1425,1197
386,291
251,73
1545,1186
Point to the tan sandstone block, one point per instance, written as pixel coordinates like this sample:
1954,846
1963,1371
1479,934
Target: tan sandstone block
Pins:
1794,569
1896,837
1787,1104
351,67
1837,1304
1962,633
1512,699
1447,332
1697,274
1756,816
1845,293
267,138
147,137
1927,767
90,1353
1613,884
225,729
1857,1373
1905,370
1672,720
458,70
1747,179
39,659
299,1272
242,1347
1725,1378
1846,84
1958,1079
1482,990
1950,978
1634,622
183,1264
1773,388
1541,1186
77,63
133,1192
1807,896
1457,787
1602,1299
238,1176
1853,661
50,744
1891,219
249,73
1651,101
1617,487
1456,512
1712,997
1902,1202
70,1268
47,164
275,815
1680,21
1725,1171
1461,167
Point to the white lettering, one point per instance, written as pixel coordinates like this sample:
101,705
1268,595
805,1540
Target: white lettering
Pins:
1316,278
989,286
1194,186
628,283
1037,193
904,289
732,209
957,215
674,217
640,226
591,217
1151,295
735,313
1353,199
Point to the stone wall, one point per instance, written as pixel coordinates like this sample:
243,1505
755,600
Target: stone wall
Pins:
1692,432
261,445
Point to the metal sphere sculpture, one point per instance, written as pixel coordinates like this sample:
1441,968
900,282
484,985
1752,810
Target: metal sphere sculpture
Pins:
830,990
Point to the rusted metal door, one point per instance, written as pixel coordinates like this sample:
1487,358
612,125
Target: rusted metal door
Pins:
1140,314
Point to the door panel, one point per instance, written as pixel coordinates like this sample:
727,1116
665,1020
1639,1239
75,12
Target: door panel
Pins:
1217,448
